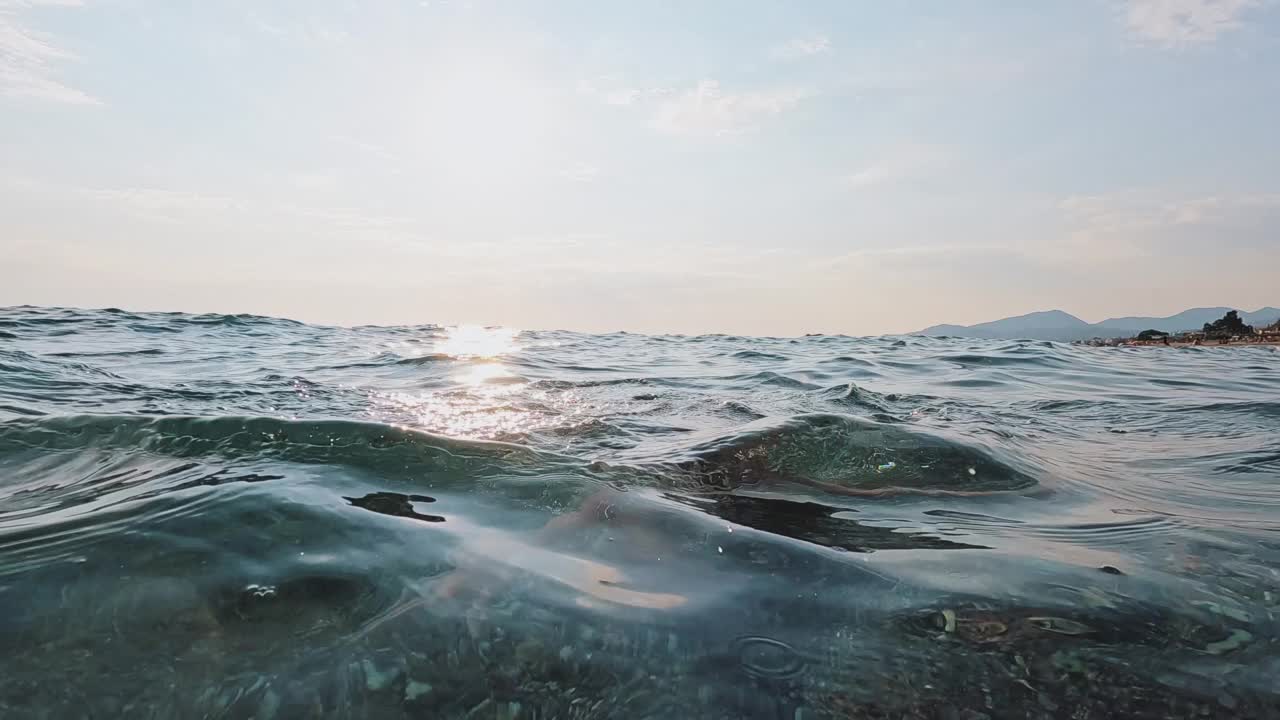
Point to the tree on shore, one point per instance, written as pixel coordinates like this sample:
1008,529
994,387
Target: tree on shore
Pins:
1227,326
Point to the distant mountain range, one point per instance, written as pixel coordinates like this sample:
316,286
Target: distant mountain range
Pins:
1065,327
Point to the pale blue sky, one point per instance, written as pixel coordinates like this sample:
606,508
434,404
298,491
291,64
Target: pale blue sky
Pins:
732,166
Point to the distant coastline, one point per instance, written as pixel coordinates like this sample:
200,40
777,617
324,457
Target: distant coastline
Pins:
1176,343
1227,331
1060,326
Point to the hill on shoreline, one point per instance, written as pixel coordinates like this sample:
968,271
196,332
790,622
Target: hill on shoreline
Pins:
1065,327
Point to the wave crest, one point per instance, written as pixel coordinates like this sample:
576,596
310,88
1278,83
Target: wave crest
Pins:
842,451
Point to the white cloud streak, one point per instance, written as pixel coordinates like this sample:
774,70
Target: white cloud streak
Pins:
204,209
161,205
1184,23
1147,224
1130,211
801,47
612,91
28,58
301,31
908,255
580,172
899,164
706,109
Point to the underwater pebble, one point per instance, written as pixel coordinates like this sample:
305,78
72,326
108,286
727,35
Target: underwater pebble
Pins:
375,679
268,706
529,652
226,699
1062,626
949,621
1237,639
1096,599
414,690
1068,662
1223,610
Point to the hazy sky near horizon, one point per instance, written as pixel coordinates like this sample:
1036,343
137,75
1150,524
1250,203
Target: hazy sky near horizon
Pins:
731,166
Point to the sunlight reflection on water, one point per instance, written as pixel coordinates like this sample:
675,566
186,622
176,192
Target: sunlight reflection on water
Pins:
474,404
472,341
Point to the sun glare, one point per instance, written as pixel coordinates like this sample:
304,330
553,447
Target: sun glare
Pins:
473,341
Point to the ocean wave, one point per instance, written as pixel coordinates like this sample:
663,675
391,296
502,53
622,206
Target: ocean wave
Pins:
390,359
269,515
846,454
757,355
117,353
346,442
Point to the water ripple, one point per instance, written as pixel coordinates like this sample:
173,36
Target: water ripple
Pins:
273,517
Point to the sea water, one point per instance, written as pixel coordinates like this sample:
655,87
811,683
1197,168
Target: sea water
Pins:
239,516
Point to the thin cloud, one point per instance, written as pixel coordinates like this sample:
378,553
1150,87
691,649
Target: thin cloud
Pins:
183,207
188,207
373,149
159,205
911,255
611,90
900,164
1127,211
580,172
28,58
1184,23
315,181
340,218
706,109
13,5
623,96
304,31
1147,224
602,254
801,47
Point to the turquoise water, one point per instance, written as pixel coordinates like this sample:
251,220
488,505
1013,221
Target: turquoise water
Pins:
239,516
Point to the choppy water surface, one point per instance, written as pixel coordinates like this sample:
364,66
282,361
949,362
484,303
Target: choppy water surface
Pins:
237,516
